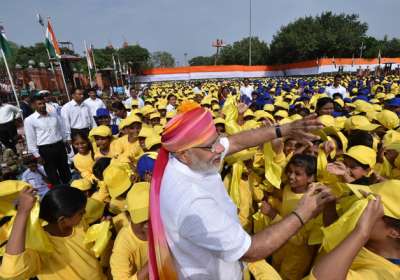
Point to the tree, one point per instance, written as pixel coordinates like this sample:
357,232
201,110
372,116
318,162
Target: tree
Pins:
162,59
201,60
136,56
326,35
238,52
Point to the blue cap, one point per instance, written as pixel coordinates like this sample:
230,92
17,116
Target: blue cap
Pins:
145,164
395,102
102,112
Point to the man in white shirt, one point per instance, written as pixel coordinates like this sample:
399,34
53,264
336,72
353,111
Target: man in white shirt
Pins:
45,138
246,90
189,203
171,99
8,130
133,96
76,116
93,102
336,88
51,107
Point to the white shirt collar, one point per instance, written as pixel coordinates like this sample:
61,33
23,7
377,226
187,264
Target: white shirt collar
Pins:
180,166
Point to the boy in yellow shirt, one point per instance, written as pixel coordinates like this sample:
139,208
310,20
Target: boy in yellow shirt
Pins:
127,147
129,256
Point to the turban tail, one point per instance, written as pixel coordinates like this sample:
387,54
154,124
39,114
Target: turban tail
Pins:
185,131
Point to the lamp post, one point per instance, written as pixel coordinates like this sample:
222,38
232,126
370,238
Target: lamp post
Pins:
250,36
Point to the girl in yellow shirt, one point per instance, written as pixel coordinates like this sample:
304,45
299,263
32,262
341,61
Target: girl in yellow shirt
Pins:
63,209
84,159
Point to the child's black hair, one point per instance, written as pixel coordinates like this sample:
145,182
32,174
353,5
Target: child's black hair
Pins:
360,137
62,201
307,161
99,167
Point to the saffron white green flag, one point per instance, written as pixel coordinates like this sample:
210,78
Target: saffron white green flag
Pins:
51,42
4,45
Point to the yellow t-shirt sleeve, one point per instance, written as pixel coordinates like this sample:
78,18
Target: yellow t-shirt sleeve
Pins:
261,270
360,274
121,263
22,266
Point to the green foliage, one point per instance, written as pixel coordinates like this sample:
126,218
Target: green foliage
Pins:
162,60
238,52
136,56
326,35
201,60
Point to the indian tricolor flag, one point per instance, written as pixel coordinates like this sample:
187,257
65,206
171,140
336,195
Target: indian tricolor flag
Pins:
4,45
51,42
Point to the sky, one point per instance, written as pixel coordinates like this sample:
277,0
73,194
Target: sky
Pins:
179,26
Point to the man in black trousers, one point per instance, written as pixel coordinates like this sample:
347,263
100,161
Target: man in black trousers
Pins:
45,136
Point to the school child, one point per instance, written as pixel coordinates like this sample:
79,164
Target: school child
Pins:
63,209
84,158
129,256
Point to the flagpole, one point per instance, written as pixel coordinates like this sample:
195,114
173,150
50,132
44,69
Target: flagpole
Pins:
87,61
94,61
65,83
58,57
48,54
9,76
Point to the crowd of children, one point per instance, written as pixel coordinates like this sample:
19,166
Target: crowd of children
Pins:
96,226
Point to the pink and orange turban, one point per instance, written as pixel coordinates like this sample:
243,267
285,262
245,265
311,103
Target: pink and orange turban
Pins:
192,127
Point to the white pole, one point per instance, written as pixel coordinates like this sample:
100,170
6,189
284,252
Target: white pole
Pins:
10,77
87,61
65,83
94,61
250,38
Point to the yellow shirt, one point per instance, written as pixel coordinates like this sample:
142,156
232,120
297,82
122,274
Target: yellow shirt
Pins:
129,255
69,260
84,164
126,150
370,266
112,152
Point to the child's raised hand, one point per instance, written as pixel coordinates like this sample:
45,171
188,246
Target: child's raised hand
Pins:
372,213
26,200
267,209
337,168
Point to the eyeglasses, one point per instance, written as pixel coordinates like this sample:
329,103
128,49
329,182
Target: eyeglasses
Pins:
211,148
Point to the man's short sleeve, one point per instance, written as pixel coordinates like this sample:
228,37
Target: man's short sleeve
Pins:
225,143
209,227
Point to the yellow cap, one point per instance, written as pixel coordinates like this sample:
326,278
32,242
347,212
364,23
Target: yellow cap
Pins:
388,119
155,115
146,110
295,117
122,124
117,180
362,154
102,130
215,107
132,119
147,132
359,122
327,120
9,191
282,114
170,114
269,107
219,121
282,104
81,184
248,113
151,141
138,202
